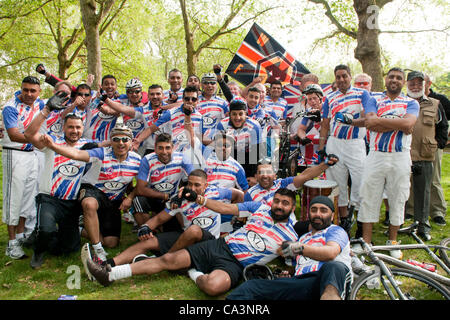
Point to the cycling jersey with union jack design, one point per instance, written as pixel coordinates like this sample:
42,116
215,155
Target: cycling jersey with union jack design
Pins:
201,216
164,177
17,114
392,141
319,239
259,194
108,174
353,102
61,176
258,240
212,110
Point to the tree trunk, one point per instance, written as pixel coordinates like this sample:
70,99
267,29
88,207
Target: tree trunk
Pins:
91,24
191,58
63,65
368,51
91,21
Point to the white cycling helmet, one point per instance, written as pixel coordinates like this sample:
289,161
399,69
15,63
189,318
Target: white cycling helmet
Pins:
209,77
133,83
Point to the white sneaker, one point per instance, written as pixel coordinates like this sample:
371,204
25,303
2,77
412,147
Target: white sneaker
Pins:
85,256
358,267
101,253
357,249
398,254
14,250
127,217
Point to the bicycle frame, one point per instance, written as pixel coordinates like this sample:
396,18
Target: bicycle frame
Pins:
383,270
402,264
284,145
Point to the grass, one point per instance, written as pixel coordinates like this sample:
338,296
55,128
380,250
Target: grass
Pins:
19,282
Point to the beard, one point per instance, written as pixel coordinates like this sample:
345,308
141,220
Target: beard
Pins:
416,95
279,215
320,224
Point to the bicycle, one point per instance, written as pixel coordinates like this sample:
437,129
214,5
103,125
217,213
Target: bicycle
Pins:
288,160
408,282
442,259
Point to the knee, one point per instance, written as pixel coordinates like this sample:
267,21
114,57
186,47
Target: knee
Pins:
110,242
89,205
214,287
194,232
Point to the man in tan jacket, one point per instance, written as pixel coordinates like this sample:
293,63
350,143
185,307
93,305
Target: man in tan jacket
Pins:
423,150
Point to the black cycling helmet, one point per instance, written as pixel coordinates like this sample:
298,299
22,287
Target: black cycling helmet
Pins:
257,271
238,104
313,88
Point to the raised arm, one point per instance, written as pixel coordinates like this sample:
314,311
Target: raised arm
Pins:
120,108
314,171
66,151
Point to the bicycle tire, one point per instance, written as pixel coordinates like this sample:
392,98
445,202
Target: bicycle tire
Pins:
413,284
444,253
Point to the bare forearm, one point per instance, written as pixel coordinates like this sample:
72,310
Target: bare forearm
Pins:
221,207
309,174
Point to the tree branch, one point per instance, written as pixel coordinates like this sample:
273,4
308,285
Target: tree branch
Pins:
14,16
333,19
220,48
106,23
416,31
21,60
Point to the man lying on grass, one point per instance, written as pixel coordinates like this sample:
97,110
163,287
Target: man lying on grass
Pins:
220,262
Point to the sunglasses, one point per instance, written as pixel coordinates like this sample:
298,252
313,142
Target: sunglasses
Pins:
188,99
83,94
123,139
73,115
209,82
134,91
365,83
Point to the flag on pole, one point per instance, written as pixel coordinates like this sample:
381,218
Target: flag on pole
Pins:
260,55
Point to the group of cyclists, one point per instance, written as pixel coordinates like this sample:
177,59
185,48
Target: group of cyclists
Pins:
195,169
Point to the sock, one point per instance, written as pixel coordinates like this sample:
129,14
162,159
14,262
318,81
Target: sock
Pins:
120,272
111,262
194,274
12,242
20,236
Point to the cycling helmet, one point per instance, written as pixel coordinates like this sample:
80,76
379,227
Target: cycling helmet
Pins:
209,77
238,104
313,88
257,271
121,129
133,83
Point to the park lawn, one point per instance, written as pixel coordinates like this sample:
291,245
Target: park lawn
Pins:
65,275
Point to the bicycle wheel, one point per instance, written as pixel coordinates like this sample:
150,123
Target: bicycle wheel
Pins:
444,253
413,284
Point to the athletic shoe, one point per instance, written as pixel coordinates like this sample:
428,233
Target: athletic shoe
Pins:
127,217
28,241
101,253
357,249
398,254
37,260
99,272
15,251
141,257
424,235
358,267
346,224
88,254
440,221
85,256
